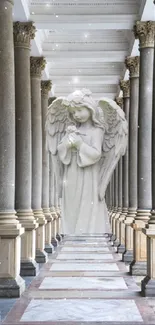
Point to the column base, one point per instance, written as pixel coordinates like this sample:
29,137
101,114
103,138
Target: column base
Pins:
54,242
148,287
121,249
138,268
49,248
128,257
29,268
11,288
116,243
58,237
113,237
41,256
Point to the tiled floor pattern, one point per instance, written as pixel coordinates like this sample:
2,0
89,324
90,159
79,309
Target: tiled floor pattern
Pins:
84,282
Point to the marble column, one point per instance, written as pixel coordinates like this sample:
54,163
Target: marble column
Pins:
54,240
112,200
37,64
11,284
148,284
125,87
121,246
119,210
23,33
145,32
115,204
57,210
45,88
119,101
132,64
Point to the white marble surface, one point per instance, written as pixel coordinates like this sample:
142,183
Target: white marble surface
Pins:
82,310
111,283
85,249
86,244
67,256
84,267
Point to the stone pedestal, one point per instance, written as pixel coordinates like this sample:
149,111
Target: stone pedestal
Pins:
145,32
11,284
37,64
23,33
148,283
45,88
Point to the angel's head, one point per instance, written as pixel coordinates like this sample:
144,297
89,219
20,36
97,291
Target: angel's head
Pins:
82,107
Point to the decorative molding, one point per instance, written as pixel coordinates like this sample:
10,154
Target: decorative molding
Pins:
125,87
46,86
145,31
37,65
119,101
132,64
23,33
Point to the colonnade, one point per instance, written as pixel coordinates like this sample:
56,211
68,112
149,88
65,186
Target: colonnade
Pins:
29,218
29,206
133,218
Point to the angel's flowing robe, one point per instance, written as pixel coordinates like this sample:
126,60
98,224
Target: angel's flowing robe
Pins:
82,212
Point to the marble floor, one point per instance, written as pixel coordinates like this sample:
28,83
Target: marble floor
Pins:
84,282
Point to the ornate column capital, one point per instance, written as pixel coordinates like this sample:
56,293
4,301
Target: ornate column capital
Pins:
145,31
125,87
46,86
132,64
119,101
23,33
51,100
37,65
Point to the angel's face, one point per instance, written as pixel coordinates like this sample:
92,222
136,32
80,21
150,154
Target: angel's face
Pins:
81,114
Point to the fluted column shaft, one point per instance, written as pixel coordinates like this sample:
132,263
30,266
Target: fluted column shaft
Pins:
23,33
37,64
118,221
132,63
148,284
125,87
45,88
145,32
10,230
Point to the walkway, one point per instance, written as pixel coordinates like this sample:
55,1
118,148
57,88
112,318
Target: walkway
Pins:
84,282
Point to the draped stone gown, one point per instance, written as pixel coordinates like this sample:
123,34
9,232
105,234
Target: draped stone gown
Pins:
82,212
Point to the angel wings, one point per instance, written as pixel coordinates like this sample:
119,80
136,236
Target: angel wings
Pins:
65,118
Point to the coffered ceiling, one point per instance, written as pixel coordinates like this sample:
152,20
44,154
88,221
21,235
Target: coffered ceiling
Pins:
85,42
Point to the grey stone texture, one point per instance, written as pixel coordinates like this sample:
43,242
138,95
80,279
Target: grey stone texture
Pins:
37,64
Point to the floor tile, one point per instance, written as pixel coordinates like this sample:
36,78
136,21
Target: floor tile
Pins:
84,267
85,249
82,310
83,283
65,256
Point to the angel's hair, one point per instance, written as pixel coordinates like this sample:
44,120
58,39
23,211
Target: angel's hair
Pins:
83,98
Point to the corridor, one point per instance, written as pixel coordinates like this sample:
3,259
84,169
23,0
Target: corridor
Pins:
83,282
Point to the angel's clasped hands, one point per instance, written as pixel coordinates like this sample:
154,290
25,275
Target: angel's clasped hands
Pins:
74,140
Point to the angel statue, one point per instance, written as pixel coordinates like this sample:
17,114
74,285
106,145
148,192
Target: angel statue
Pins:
86,139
